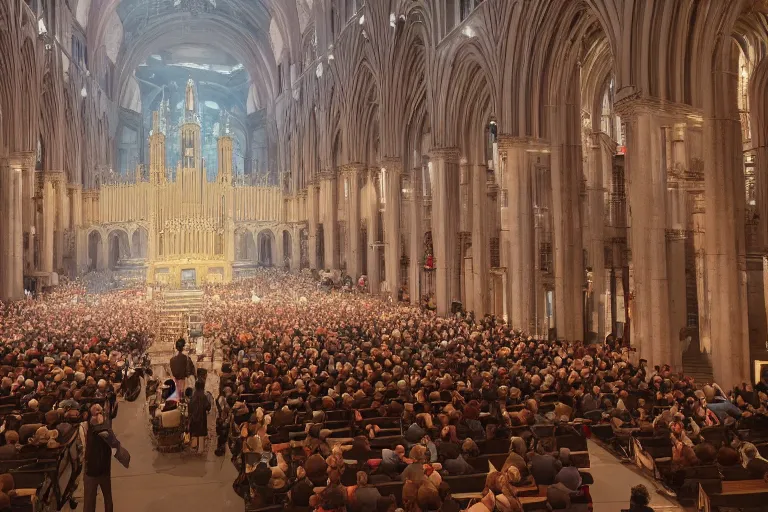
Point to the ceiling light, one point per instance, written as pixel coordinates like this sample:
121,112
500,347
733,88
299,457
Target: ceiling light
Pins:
83,92
468,31
362,19
392,20
319,70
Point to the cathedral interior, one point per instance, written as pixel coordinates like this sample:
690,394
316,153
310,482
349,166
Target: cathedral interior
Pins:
577,168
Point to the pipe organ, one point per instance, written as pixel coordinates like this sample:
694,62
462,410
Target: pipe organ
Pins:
190,221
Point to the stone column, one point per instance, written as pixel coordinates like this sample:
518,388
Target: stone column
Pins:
724,196
678,312
608,319
313,216
416,244
566,234
445,171
277,251
49,226
480,243
646,170
702,297
351,174
600,163
60,189
374,244
329,217
296,250
392,172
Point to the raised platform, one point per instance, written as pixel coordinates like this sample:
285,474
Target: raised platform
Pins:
189,272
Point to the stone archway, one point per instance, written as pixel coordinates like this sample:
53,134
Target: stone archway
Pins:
265,248
95,248
118,246
287,249
247,247
139,243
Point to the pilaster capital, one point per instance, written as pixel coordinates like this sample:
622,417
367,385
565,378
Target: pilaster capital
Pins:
635,104
450,155
326,174
55,177
392,164
91,194
675,234
22,159
74,186
303,193
351,168
507,142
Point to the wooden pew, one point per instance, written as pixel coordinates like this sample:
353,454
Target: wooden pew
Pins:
740,494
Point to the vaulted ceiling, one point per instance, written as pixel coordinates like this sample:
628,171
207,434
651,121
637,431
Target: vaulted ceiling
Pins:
213,32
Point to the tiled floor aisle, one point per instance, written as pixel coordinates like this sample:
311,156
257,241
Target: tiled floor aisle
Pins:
613,480
175,482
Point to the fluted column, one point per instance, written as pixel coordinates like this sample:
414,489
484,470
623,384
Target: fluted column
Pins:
392,173
600,162
678,313
351,175
480,245
649,287
49,222
374,244
313,215
329,218
445,200
416,244
296,250
724,196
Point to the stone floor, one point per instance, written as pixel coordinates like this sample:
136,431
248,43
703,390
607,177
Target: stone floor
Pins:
182,482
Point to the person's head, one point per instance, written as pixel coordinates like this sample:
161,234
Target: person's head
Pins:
180,344
97,414
400,451
639,495
199,385
362,478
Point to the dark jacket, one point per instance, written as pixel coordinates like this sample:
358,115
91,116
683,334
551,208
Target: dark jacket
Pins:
182,367
544,468
198,414
367,497
99,442
301,492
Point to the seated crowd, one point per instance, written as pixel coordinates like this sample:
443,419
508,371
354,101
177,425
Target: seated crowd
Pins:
60,354
335,401
342,401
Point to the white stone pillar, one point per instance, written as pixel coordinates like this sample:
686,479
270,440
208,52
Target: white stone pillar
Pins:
49,215
374,244
608,319
329,218
351,175
416,244
445,172
600,163
392,172
724,195
702,296
313,215
646,171
678,312
480,243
